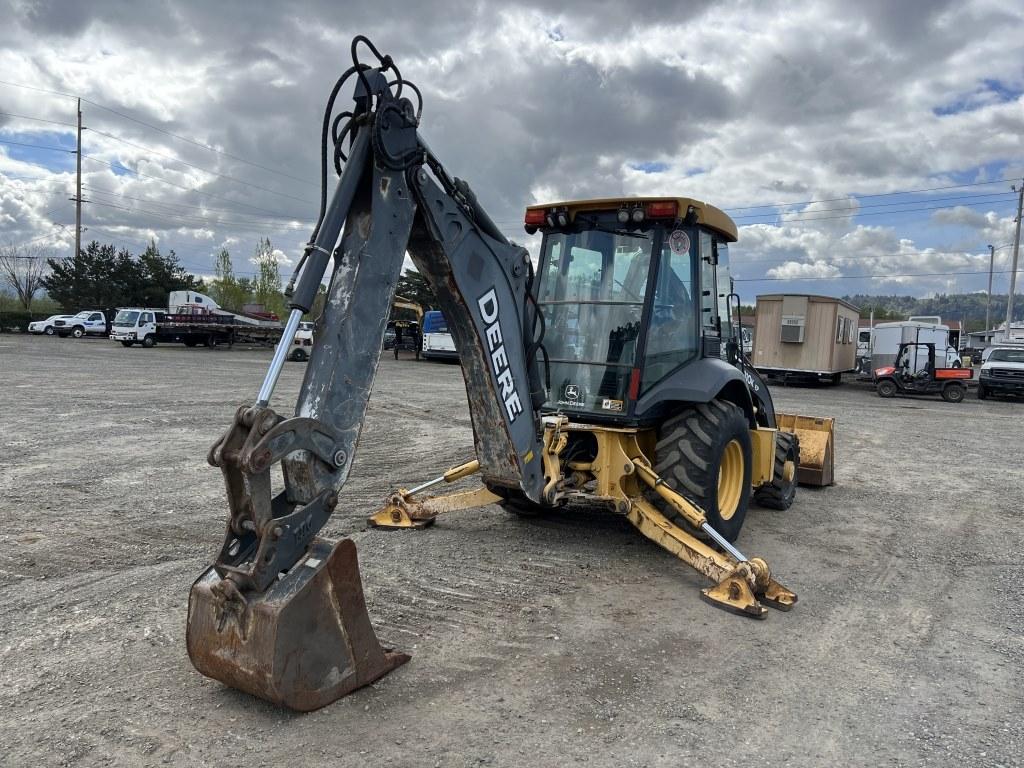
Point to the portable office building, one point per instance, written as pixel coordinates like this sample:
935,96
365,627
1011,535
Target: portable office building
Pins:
805,336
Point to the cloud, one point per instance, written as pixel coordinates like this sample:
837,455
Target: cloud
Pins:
738,104
794,270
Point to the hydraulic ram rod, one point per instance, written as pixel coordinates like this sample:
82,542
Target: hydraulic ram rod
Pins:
316,262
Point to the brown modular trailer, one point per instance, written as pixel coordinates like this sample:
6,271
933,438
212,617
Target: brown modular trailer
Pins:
805,335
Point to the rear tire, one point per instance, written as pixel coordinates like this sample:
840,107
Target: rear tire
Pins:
211,341
779,493
514,502
886,388
190,342
704,453
953,393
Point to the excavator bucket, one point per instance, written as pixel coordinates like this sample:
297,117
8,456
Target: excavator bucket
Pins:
304,642
817,456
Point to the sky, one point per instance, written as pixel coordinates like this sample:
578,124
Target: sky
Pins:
862,147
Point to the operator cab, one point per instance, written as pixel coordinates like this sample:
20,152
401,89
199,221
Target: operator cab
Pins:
632,291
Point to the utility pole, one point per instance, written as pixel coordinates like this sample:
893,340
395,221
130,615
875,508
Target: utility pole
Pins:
988,302
78,186
1016,253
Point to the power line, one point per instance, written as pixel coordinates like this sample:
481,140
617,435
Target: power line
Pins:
862,277
37,119
200,168
857,208
864,257
172,205
804,219
187,220
36,146
121,166
194,142
878,194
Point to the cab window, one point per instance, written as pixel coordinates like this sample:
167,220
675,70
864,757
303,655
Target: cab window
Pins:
709,301
672,337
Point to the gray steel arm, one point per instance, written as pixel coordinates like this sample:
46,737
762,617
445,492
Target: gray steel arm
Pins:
393,197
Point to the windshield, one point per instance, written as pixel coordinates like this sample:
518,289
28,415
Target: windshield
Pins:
592,292
1007,356
126,317
84,315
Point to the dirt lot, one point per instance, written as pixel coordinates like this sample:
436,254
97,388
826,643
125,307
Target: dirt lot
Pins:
548,642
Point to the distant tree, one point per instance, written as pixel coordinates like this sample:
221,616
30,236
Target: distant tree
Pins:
159,275
101,276
22,268
318,303
267,288
412,285
226,289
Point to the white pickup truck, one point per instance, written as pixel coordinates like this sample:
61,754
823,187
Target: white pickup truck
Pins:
1002,372
46,326
88,323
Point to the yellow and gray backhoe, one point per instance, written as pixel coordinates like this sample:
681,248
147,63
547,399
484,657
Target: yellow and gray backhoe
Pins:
610,375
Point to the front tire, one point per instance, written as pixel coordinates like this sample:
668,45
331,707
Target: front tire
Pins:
953,393
149,342
49,331
982,392
780,492
886,388
127,343
704,453
78,332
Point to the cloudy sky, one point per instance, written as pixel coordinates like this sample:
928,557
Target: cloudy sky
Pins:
862,147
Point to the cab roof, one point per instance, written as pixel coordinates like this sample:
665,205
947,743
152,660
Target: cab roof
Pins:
707,214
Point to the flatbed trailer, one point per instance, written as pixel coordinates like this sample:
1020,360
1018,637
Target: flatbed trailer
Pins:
149,327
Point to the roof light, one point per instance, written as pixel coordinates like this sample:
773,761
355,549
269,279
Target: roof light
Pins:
623,216
662,208
550,220
638,214
563,219
534,217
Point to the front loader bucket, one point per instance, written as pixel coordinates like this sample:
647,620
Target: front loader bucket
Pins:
817,456
304,642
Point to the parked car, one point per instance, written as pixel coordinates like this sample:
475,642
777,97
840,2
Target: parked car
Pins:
88,323
47,326
1002,372
302,344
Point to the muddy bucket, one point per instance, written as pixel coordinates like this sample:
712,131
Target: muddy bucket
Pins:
304,642
817,455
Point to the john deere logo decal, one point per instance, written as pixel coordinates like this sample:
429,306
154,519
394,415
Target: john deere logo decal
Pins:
572,395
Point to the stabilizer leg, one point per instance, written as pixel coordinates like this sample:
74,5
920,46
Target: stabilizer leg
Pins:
404,511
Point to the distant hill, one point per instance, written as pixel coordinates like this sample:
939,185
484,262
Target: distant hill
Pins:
969,308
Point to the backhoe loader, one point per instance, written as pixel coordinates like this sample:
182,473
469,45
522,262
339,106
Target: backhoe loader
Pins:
609,376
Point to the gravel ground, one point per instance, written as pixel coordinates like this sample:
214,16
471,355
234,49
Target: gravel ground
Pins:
555,641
